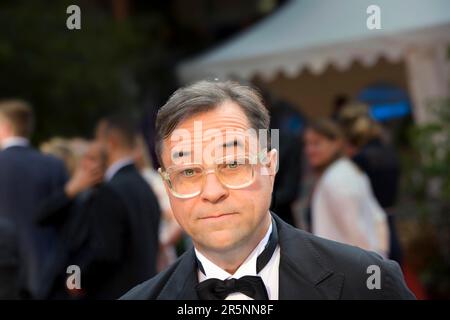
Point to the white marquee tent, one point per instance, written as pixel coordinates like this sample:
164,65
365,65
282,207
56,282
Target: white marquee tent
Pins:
313,34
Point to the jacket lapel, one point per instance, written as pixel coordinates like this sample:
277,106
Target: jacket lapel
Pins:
181,285
302,273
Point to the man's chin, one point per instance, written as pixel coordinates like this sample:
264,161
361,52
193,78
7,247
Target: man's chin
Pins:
221,241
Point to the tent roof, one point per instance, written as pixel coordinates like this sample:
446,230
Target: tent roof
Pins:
313,34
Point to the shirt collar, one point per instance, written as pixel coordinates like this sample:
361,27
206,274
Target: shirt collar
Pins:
116,166
15,142
247,268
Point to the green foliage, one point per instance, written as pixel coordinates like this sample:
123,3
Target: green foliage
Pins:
431,142
72,77
429,184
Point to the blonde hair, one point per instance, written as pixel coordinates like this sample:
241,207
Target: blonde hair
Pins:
357,124
61,148
327,128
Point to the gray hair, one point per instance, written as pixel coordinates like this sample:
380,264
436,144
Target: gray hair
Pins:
204,96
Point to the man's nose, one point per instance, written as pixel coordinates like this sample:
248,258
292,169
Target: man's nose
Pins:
213,190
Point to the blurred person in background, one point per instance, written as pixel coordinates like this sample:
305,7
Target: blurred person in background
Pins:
339,102
66,211
117,221
343,206
170,231
289,122
377,159
9,260
27,177
126,215
60,148
79,146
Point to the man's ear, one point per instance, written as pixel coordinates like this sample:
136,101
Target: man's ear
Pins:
272,162
273,156
166,187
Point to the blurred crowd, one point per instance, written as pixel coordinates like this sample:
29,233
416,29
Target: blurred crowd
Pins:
95,204
338,176
100,205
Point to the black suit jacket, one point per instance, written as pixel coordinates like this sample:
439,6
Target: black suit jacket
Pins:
287,186
126,233
9,260
310,268
28,177
382,166
112,236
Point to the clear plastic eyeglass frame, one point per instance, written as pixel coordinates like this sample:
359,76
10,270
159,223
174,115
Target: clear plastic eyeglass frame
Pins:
252,160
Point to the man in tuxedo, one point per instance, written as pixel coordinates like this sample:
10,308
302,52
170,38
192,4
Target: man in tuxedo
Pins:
27,177
220,184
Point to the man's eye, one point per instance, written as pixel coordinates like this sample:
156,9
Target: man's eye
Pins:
232,165
188,172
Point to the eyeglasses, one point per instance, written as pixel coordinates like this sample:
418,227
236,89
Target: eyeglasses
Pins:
234,172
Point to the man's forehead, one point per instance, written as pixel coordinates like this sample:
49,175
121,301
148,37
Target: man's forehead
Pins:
201,135
227,115
203,143
218,131
225,119
187,148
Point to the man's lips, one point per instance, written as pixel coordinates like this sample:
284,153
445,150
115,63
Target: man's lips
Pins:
219,215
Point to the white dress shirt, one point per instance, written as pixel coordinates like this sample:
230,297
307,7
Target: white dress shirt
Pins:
14,142
344,209
269,273
116,166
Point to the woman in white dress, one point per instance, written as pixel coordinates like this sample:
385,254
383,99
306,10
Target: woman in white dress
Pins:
343,206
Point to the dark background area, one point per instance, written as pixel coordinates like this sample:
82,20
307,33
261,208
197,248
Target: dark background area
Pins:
122,59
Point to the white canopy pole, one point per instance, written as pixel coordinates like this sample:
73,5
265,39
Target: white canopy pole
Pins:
428,78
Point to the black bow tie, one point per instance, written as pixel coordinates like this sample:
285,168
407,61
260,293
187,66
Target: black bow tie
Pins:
215,289
252,286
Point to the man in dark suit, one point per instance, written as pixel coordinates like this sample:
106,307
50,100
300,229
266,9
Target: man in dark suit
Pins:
126,216
221,198
115,230
26,178
9,260
67,212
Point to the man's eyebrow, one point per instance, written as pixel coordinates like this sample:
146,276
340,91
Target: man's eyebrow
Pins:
232,143
180,153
